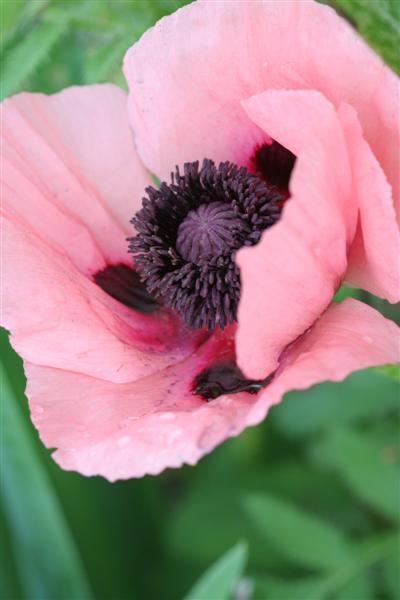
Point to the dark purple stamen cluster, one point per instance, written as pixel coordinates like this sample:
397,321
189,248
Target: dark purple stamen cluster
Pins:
189,231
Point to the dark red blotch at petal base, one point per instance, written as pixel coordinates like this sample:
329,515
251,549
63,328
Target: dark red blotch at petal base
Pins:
221,375
274,163
123,283
226,378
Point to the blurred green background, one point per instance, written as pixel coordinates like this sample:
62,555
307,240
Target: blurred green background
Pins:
302,507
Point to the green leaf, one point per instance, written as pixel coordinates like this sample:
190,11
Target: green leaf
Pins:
363,395
391,570
271,588
10,16
347,292
46,557
391,371
16,16
347,581
353,575
302,537
219,581
216,521
106,60
314,588
9,584
378,21
21,60
364,468
358,588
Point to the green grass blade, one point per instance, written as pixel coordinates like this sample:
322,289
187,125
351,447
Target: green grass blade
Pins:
350,580
107,60
364,468
46,557
219,581
272,588
391,570
391,371
301,537
379,22
20,61
11,14
363,396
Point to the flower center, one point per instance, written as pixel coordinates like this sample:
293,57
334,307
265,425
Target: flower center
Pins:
188,232
210,230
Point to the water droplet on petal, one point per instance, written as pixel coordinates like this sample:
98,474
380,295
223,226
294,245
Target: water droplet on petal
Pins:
367,339
124,440
173,435
126,422
167,416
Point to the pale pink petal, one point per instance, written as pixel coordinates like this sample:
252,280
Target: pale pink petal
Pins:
375,252
71,180
188,75
60,318
70,170
132,429
290,276
349,336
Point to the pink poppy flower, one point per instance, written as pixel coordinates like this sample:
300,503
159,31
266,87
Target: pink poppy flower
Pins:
297,119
